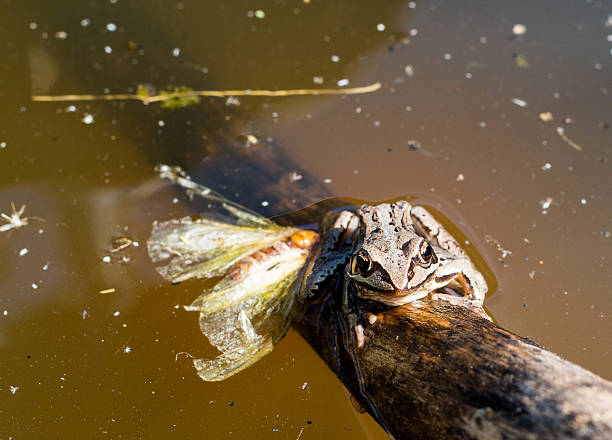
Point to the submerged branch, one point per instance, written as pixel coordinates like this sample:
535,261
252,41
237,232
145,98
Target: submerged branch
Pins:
212,93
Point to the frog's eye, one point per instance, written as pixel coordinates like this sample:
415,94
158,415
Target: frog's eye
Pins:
427,255
361,264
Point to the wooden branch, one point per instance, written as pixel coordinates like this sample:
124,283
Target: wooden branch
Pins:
434,370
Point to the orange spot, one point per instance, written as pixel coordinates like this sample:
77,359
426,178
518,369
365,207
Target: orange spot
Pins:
304,239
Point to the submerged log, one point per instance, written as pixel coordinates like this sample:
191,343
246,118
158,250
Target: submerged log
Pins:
433,370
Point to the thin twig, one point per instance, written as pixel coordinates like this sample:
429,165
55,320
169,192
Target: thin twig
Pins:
214,93
571,143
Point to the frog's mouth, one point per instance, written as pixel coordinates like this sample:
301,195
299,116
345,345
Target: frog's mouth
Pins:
450,286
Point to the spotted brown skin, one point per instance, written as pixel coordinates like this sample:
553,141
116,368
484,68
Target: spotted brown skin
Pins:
393,254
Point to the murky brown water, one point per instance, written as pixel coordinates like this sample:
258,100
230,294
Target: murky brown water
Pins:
75,362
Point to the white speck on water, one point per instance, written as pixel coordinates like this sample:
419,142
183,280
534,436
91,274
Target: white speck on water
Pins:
447,56
127,349
135,244
61,35
34,286
23,252
335,58
87,119
2,144
70,109
519,102
468,75
380,27
5,312
265,203
106,259
409,70
483,40
161,123
295,176
412,5
175,200
84,314
376,123
176,52
327,180
545,204
482,124
519,29
85,22
33,26
304,385
117,313
111,27
343,82
547,166
260,14
317,80
108,49
13,389
610,39
583,201
41,231
460,178
413,32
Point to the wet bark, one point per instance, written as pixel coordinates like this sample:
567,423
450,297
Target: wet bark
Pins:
434,370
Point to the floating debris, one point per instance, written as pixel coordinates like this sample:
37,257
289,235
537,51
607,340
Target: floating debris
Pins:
23,252
571,143
105,291
146,98
294,176
521,61
343,82
13,389
409,70
546,116
460,178
504,252
15,219
545,204
519,29
568,120
547,166
87,119
519,102
121,243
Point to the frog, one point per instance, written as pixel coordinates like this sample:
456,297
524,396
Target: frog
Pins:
393,254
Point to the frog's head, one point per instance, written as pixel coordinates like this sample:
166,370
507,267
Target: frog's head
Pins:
391,262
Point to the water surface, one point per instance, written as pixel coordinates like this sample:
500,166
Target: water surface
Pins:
456,125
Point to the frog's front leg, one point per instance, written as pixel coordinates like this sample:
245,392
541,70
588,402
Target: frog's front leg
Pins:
461,284
327,262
